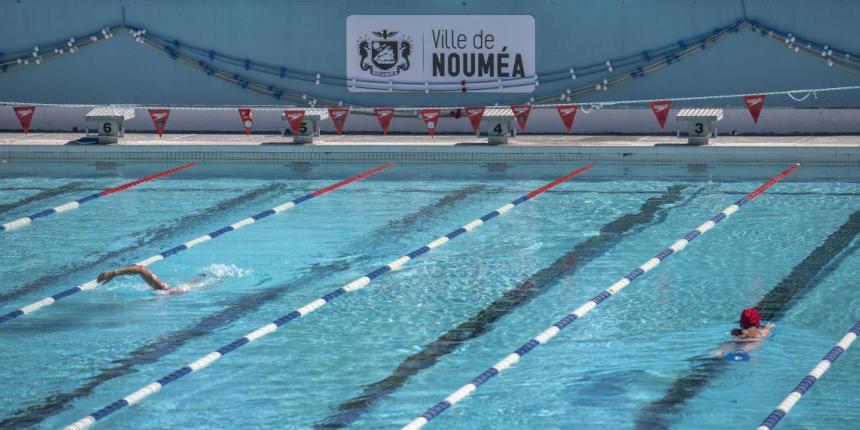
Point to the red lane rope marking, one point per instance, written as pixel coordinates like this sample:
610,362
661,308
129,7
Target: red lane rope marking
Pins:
324,190
124,187
558,181
774,180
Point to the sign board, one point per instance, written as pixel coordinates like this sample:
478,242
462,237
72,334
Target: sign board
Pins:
477,49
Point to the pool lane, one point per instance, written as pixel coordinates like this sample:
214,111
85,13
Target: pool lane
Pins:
355,285
92,284
43,195
152,351
27,220
151,235
549,333
609,236
802,279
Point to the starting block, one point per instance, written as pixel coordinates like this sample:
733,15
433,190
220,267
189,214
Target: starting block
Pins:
310,127
109,122
500,125
701,122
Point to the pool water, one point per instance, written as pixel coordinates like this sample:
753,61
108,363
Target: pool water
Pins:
368,360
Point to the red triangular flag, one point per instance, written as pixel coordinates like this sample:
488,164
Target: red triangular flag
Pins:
338,117
25,116
247,119
521,113
431,119
661,111
159,119
294,119
475,113
754,105
384,115
567,113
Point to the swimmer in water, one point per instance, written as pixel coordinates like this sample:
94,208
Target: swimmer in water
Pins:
746,338
143,272
751,329
199,281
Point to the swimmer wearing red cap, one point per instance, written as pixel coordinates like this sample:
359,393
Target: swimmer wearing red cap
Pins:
751,328
746,338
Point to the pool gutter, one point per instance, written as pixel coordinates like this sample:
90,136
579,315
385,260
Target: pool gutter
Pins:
753,153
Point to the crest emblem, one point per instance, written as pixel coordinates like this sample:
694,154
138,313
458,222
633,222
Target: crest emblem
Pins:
384,56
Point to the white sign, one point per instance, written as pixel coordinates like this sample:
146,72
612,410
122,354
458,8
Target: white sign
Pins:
487,53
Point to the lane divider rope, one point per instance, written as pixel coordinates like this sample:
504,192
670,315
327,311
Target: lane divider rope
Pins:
191,243
546,335
814,375
23,222
273,326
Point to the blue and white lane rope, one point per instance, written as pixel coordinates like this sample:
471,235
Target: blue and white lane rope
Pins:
33,307
814,375
273,326
546,335
23,222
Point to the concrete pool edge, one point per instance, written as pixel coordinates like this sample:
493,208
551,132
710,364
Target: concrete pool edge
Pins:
226,148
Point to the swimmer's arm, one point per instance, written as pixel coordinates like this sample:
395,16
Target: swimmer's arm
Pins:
765,331
151,279
143,272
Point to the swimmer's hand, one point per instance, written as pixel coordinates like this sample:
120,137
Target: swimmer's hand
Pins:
106,276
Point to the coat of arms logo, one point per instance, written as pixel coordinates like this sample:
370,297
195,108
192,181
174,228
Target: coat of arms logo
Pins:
384,56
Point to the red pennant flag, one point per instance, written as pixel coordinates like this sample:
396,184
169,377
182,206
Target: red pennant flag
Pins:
247,119
521,113
338,117
475,113
25,116
567,113
431,119
661,111
754,105
159,119
295,119
384,115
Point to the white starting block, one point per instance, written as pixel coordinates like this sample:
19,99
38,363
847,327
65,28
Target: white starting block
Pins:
701,122
109,122
310,127
500,125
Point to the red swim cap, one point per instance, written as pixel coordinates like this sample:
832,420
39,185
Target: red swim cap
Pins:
750,318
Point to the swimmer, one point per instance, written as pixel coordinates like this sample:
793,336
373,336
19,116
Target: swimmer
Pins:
143,272
746,338
751,329
201,280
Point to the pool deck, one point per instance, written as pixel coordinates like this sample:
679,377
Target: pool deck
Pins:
261,147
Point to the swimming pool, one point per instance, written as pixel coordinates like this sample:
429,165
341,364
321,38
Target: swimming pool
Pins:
380,356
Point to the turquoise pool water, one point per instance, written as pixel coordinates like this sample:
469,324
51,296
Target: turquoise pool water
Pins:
368,360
